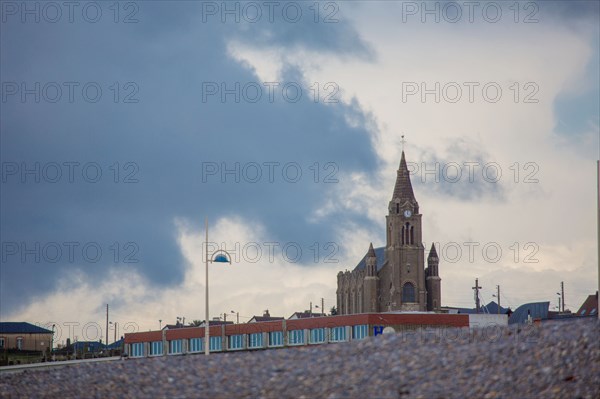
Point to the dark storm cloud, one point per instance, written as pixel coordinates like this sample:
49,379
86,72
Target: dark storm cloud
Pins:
152,153
585,9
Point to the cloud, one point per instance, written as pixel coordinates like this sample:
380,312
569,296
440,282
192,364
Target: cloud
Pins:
249,285
153,154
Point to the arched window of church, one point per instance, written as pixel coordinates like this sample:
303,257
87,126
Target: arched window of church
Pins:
408,292
403,235
406,233
412,235
397,208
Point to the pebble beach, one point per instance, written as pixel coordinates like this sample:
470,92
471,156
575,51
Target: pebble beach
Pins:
556,359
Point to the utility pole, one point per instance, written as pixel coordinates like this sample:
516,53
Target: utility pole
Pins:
106,324
323,306
562,295
559,304
477,288
310,314
498,286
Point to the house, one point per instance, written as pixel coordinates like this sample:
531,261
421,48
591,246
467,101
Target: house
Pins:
304,315
215,322
589,307
172,326
24,336
265,317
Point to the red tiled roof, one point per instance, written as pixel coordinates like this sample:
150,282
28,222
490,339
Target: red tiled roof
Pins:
589,306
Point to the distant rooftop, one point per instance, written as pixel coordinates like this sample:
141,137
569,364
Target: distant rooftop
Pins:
304,315
265,317
589,306
491,308
537,310
17,327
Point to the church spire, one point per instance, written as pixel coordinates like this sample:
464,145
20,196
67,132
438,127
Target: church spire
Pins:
433,262
371,253
403,190
432,252
371,261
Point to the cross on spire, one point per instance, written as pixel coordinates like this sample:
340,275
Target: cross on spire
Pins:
402,141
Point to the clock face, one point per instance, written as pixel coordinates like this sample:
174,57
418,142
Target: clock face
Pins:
407,213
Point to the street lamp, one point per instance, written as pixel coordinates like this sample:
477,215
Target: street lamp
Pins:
116,323
237,314
219,256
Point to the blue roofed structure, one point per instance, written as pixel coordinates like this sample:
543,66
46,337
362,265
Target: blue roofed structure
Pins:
17,327
537,310
490,308
379,253
87,346
116,345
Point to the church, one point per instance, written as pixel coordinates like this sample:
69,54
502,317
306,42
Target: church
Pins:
394,277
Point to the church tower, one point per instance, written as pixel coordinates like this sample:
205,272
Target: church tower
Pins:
371,282
394,278
404,289
434,282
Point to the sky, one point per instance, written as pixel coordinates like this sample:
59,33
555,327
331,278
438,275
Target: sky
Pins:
125,125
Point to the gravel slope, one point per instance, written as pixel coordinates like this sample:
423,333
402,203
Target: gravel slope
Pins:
555,360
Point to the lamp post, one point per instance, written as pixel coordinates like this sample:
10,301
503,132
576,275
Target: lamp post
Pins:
222,257
115,324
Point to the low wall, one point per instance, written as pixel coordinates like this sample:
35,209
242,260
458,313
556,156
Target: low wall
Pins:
485,320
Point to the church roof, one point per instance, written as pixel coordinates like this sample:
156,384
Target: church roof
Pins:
403,189
379,253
